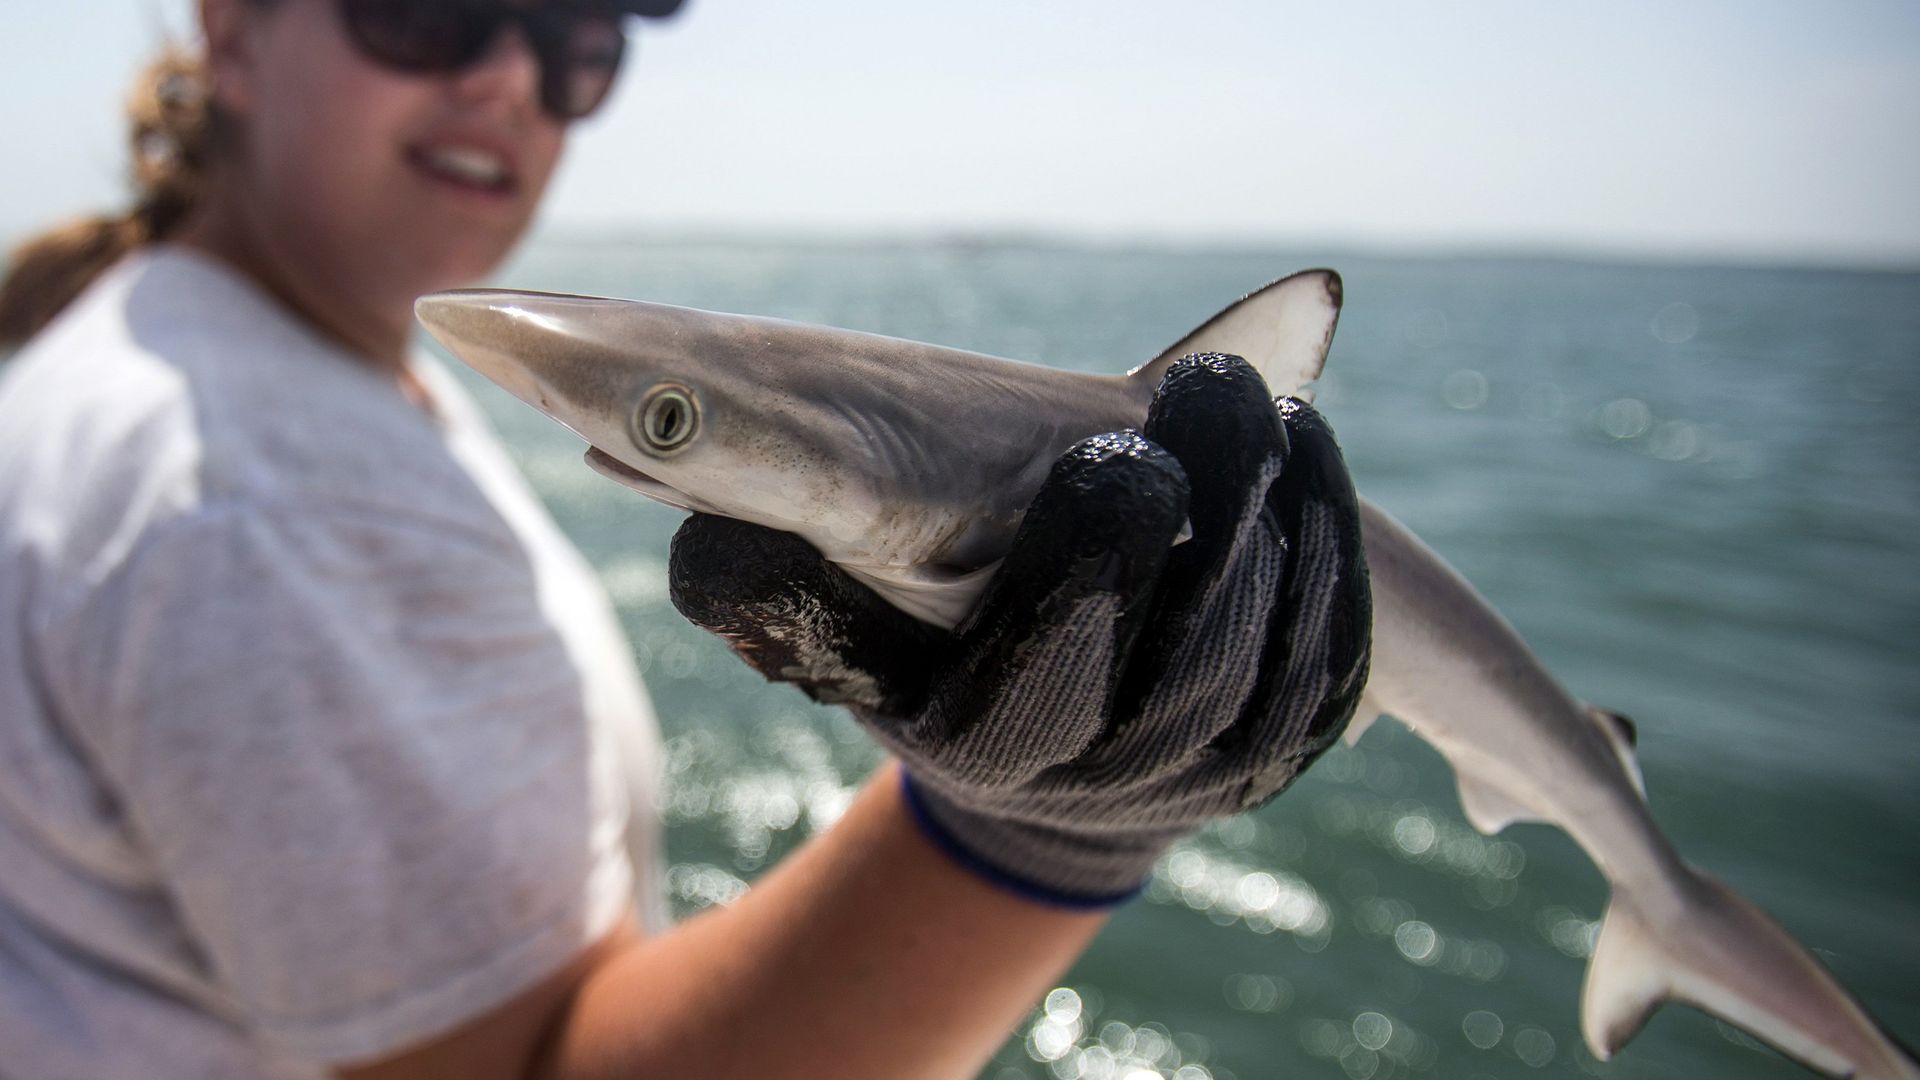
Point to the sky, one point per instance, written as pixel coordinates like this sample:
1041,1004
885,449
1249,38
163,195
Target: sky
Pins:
1748,130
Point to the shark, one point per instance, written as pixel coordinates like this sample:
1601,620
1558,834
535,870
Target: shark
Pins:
909,465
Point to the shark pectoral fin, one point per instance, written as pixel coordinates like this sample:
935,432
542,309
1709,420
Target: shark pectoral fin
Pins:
940,597
1621,735
1283,329
1488,808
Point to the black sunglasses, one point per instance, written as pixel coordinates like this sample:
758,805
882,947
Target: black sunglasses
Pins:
579,45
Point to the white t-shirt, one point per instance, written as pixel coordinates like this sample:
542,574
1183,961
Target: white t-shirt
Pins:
316,737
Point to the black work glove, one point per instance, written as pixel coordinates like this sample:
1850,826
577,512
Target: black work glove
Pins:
1113,691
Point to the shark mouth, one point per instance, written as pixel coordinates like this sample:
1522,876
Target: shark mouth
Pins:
627,476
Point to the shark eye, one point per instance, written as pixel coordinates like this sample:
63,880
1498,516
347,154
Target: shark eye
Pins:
667,419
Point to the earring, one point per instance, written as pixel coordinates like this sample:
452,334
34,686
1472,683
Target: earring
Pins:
181,90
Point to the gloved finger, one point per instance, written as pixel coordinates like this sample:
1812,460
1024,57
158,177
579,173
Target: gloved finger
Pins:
1197,664
1033,681
1214,413
1315,663
794,617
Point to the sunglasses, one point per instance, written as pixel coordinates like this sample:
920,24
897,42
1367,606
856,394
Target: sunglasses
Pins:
579,45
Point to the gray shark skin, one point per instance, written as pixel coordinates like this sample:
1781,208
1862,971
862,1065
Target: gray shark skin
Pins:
909,465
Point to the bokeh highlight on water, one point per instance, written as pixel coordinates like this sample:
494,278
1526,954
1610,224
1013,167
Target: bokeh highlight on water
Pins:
1695,491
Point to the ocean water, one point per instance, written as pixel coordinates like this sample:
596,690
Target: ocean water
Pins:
1696,493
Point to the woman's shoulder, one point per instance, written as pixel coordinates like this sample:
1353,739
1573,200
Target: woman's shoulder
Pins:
88,422
85,366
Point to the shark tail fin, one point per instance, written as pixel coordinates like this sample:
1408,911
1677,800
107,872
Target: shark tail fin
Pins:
1706,945
1283,329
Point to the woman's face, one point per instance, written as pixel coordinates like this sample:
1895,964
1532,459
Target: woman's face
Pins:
379,183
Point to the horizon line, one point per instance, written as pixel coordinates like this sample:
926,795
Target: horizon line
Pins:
581,233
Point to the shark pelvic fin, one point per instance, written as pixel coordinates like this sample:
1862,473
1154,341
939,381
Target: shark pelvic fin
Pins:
1283,329
1714,950
1488,808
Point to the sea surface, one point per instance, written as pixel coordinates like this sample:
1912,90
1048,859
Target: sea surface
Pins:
1694,490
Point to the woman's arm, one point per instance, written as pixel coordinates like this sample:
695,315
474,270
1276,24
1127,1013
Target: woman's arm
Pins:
868,952
1111,692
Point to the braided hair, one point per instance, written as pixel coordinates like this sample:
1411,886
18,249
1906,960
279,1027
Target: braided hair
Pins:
170,127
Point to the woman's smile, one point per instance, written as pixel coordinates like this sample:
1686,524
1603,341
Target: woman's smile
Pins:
467,164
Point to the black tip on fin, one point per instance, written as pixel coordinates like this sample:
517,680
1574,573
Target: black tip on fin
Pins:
1335,288
1621,724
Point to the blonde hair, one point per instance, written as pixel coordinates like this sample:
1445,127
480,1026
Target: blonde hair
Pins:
169,126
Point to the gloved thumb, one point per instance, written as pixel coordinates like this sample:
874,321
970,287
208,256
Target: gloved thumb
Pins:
795,617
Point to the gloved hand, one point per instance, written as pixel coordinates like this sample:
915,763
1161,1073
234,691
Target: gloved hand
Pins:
1113,691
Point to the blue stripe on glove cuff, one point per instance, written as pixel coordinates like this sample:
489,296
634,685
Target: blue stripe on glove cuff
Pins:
995,876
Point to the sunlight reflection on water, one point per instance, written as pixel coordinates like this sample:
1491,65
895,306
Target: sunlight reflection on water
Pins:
1688,488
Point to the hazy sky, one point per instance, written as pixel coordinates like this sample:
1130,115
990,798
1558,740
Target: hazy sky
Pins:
1719,128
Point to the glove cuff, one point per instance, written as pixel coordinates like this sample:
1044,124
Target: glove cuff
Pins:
1059,869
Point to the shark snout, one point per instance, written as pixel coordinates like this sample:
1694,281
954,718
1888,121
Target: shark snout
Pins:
494,332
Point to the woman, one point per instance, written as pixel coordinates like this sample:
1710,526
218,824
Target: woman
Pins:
317,741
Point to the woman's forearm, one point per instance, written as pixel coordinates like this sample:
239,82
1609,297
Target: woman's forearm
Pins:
866,953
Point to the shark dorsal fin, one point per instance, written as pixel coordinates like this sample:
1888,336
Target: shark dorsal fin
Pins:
1282,329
